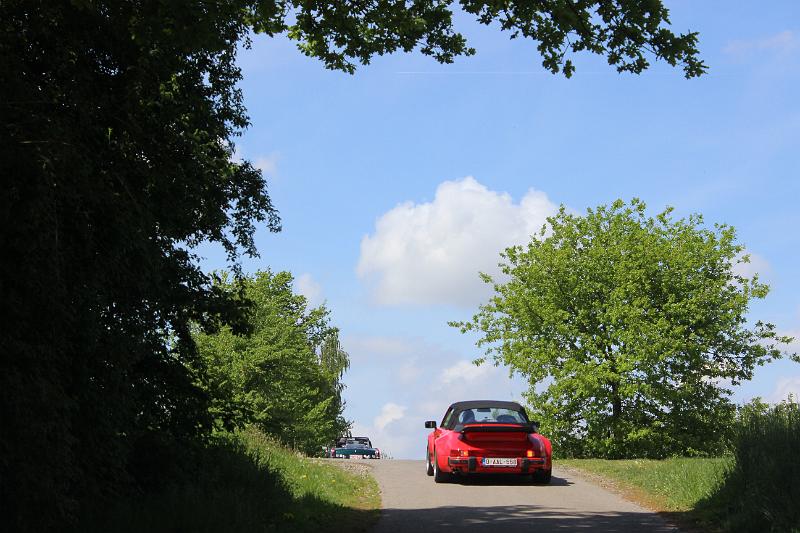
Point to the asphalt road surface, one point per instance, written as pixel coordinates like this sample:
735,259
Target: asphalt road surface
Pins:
413,502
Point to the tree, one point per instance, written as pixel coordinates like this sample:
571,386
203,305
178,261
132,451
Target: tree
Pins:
626,327
116,143
284,374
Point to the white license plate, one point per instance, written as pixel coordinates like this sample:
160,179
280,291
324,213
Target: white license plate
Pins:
499,461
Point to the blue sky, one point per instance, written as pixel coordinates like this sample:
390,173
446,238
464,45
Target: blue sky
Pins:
397,184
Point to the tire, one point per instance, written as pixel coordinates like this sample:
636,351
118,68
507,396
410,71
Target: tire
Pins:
542,477
428,465
438,475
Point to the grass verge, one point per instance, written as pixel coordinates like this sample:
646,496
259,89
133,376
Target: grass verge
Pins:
247,482
675,484
677,487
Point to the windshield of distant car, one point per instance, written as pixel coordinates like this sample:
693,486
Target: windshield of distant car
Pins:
491,415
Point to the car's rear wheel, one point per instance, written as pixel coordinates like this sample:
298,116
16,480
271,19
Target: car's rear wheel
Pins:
438,475
428,465
542,477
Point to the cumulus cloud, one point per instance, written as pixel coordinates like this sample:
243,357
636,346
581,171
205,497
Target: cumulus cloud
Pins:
389,413
781,42
309,288
409,372
784,387
371,348
267,164
464,371
757,265
431,252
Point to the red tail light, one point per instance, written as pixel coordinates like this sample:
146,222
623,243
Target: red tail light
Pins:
536,444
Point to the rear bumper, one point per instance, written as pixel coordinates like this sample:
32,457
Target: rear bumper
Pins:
348,455
474,465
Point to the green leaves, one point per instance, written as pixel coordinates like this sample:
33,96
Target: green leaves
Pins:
342,34
284,373
633,321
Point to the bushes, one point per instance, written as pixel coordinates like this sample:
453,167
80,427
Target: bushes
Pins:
761,491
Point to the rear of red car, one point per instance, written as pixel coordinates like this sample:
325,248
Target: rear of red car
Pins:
482,448
488,445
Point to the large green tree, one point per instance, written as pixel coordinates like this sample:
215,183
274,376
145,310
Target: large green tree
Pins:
117,122
627,327
284,373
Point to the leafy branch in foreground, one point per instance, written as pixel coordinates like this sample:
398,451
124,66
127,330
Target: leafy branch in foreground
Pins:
624,31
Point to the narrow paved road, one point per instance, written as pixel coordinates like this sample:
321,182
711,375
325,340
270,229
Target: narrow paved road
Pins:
413,502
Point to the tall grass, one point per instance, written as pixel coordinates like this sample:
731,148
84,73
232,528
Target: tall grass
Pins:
761,492
754,489
676,484
247,483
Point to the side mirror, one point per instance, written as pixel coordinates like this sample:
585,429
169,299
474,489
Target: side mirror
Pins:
430,424
535,427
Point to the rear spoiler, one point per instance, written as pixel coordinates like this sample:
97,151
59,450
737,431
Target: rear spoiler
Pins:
517,428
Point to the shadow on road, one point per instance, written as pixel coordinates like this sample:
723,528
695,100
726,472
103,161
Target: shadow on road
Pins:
516,518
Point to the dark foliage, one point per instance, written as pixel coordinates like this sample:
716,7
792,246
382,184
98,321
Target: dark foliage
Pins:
115,156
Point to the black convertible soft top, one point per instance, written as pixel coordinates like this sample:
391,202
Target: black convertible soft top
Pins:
472,404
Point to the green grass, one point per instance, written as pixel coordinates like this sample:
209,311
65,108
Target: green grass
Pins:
676,484
755,489
248,483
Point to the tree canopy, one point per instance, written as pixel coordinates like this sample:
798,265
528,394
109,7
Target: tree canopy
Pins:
627,328
284,373
116,141
626,32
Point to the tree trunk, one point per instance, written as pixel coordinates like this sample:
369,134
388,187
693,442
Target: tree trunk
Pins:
616,413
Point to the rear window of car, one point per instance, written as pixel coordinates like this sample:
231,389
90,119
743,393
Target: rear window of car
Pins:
491,415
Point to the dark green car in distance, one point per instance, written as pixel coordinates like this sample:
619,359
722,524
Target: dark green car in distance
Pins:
359,447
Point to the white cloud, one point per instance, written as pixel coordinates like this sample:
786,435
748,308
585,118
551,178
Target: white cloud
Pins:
757,265
431,252
267,164
409,372
309,288
794,346
464,371
368,348
237,156
389,413
781,42
784,387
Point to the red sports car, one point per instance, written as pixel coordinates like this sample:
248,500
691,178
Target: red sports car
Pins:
487,437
